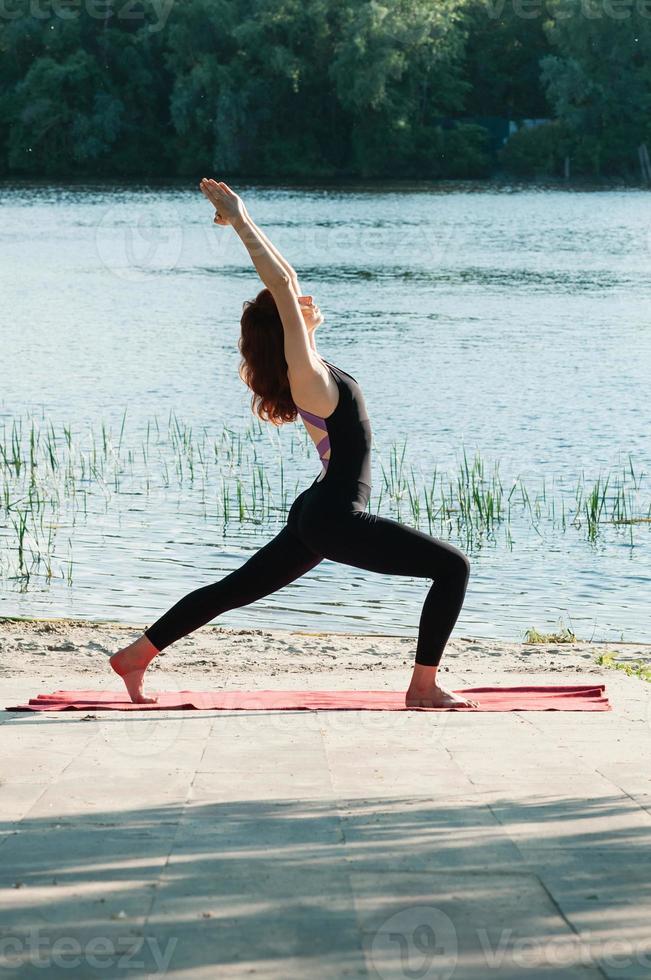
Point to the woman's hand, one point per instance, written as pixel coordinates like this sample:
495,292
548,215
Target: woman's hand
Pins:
230,210
229,206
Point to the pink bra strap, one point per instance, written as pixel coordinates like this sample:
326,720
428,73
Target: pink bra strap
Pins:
314,419
323,445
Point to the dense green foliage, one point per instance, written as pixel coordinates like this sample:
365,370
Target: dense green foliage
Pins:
288,88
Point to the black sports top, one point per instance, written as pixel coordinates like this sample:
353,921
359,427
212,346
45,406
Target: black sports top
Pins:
348,431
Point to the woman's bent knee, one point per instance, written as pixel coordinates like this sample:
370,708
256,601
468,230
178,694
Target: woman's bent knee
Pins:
458,565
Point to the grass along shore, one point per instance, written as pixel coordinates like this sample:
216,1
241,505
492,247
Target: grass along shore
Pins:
52,477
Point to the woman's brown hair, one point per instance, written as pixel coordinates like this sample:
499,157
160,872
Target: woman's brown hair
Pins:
263,367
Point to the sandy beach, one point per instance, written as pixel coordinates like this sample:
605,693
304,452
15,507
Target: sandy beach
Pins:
67,651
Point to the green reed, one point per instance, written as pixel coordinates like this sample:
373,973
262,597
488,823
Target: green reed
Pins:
66,475
635,668
564,635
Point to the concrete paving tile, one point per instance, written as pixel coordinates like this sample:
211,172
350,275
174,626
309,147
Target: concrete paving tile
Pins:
464,924
607,762
103,797
393,758
428,834
261,784
274,726
111,758
303,944
564,782
17,798
285,844
571,861
595,859
386,780
276,758
271,915
373,727
580,823
71,852
46,734
524,762
22,761
642,799
149,732
190,882
96,937
611,907
241,828
78,905
624,708
632,779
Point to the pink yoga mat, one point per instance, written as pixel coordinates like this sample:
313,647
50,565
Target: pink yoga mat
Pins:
560,697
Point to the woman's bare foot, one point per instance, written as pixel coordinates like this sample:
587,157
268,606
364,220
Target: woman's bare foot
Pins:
131,663
424,692
437,697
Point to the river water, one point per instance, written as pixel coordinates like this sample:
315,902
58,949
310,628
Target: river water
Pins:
509,322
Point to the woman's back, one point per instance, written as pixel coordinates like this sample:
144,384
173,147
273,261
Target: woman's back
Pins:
344,437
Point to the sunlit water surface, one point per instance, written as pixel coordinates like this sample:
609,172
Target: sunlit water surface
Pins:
509,322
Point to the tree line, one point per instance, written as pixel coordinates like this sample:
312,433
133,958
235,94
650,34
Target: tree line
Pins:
324,88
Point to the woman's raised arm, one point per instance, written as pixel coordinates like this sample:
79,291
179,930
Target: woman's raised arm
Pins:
230,209
275,273
291,272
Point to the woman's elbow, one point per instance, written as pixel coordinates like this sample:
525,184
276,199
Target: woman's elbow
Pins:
280,281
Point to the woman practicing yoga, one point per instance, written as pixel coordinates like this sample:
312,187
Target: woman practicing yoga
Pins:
328,519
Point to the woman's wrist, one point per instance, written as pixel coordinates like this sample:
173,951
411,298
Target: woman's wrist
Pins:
241,222
272,248
266,262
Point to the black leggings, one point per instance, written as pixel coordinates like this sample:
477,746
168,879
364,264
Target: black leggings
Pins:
329,520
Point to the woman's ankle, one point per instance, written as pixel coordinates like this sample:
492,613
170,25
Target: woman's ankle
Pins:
141,652
145,648
423,677
147,645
